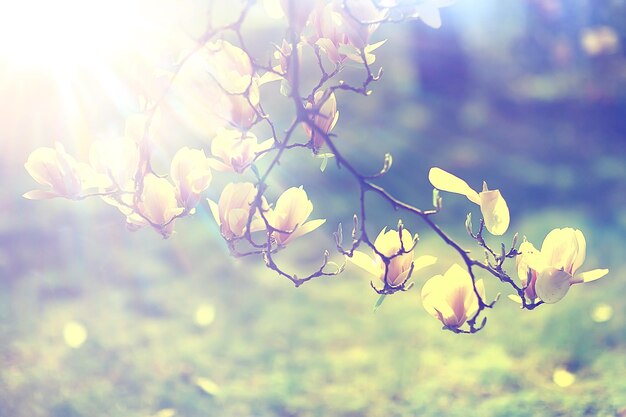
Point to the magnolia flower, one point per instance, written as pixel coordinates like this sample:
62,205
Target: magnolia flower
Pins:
216,87
492,205
555,267
290,215
335,28
354,14
283,55
451,298
241,110
236,150
280,71
389,244
190,171
230,65
195,99
60,172
324,119
233,210
157,206
117,161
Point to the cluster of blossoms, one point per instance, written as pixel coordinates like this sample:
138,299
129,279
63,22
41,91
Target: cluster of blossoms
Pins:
216,90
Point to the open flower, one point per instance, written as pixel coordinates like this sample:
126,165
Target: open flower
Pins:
233,209
241,110
157,206
230,65
389,243
117,160
216,87
451,298
190,171
556,266
290,216
340,33
60,172
492,205
236,150
354,13
324,119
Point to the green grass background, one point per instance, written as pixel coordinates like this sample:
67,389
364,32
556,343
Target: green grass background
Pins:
319,350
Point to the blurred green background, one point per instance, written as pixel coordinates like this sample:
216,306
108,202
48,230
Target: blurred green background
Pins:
527,95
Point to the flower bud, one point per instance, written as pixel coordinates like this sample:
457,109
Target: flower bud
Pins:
236,151
324,119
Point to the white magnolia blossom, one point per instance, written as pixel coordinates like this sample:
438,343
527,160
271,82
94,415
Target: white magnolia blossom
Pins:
340,33
390,243
60,173
451,298
216,87
157,206
493,207
235,151
230,65
191,173
232,210
556,267
290,216
116,160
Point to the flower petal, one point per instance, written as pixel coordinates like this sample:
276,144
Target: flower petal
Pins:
431,295
40,195
590,275
429,14
582,249
304,229
365,262
237,219
495,212
423,262
552,284
445,181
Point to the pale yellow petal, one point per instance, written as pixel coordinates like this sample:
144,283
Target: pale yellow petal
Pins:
423,262
444,181
495,212
552,285
591,275
366,263
582,250
304,229
431,295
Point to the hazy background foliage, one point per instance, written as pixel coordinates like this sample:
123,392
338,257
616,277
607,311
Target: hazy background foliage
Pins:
504,92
